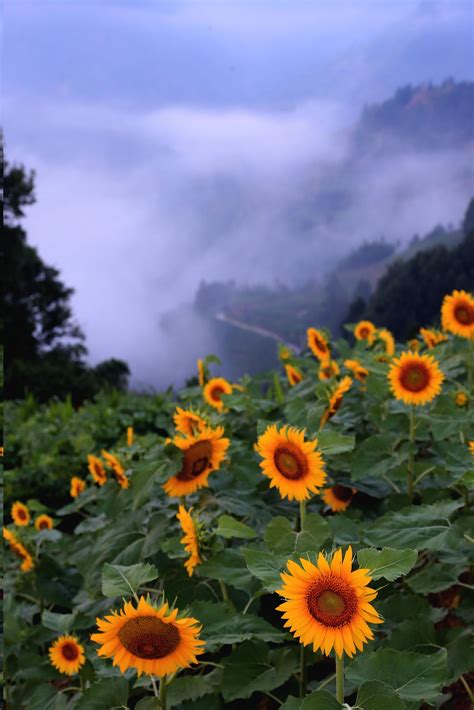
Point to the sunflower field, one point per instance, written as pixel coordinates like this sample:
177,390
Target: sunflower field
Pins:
299,540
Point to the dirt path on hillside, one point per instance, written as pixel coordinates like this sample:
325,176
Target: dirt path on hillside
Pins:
255,329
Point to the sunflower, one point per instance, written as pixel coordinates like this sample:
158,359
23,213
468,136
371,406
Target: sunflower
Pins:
328,369
338,497
318,344
457,314
358,370
153,641
188,422
77,486
284,352
471,447
335,399
201,373
415,379
44,522
213,391
293,374
67,655
414,345
20,514
19,550
190,539
202,454
365,330
461,398
96,469
432,337
130,436
388,340
293,465
328,605
117,468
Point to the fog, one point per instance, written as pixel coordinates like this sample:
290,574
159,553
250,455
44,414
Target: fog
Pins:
180,142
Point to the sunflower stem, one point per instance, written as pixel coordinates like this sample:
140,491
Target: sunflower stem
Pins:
411,456
155,688
302,513
163,689
303,671
470,365
225,595
339,678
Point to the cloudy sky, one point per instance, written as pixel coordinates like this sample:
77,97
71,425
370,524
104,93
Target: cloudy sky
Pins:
172,142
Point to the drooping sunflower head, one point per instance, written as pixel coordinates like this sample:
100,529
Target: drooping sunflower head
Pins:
67,655
457,314
130,435
414,345
213,391
20,514
188,422
19,550
293,374
318,344
202,454
96,469
338,497
190,539
415,379
118,470
77,486
365,330
44,522
153,641
292,464
336,399
432,337
461,398
328,605
328,369
358,370
388,340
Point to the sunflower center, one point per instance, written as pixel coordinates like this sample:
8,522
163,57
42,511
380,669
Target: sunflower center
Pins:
149,637
196,460
217,392
70,652
319,344
43,525
464,314
364,333
290,463
22,514
342,492
332,601
415,378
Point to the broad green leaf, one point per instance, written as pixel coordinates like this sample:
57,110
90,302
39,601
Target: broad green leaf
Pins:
45,697
435,577
315,532
413,634
387,563
119,580
414,676
460,653
375,695
192,687
320,700
251,667
230,527
229,567
63,623
265,567
149,703
331,443
106,693
279,536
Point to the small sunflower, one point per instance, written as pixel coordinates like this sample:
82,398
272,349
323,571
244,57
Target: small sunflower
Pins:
414,344
365,330
471,447
461,398
96,469
293,465
415,379
201,373
457,314
153,641
213,391
338,497
328,369
328,605
432,337
388,340
358,370
202,454
19,550
67,655
77,486
190,539
117,468
284,352
293,374
44,522
336,399
188,422
20,514
130,435
318,344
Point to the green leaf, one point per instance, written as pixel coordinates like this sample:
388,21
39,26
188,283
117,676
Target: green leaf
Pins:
120,580
387,563
230,527
320,700
414,676
331,443
63,623
375,695
228,566
279,536
291,703
149,703
251,667
107,693
315,532
265,567
435,577
192,687
45,697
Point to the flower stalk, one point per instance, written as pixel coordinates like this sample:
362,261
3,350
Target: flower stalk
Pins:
339,678
411,459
